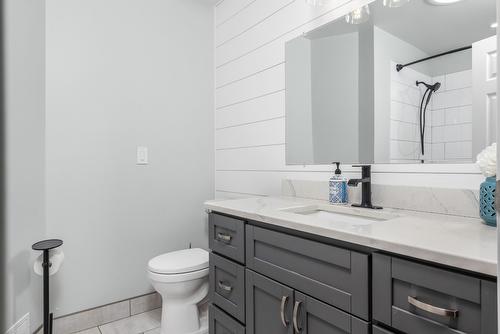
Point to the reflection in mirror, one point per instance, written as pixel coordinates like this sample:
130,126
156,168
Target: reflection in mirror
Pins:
408,84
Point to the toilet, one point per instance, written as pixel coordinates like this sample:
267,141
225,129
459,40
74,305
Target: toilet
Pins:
181,278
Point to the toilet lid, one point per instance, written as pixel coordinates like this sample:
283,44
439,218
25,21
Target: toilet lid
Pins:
179,262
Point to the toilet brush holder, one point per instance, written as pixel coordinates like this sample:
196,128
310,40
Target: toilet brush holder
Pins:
45,246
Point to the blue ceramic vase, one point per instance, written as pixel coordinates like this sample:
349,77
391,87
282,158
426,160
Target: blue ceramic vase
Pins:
487,201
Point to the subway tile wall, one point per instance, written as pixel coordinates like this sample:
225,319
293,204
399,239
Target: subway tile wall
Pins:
448,135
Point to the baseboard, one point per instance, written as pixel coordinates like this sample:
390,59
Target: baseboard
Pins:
22,326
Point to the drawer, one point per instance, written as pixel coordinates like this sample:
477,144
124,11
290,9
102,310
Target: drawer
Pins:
227,286
331,274
379,330
221,323
227,236
418,298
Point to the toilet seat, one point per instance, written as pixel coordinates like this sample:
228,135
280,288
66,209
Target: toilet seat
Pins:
179,262
172,278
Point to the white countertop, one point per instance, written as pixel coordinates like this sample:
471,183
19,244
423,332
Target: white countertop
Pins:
464,243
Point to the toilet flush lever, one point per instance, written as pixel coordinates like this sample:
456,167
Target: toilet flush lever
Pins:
223,237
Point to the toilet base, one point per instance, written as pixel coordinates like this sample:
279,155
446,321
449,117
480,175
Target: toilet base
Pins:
185,318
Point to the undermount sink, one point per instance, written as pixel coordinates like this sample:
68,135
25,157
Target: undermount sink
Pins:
342,214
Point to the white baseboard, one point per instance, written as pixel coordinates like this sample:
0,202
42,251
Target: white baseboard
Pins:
22,326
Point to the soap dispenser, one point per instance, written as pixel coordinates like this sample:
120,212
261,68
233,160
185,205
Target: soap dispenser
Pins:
338,187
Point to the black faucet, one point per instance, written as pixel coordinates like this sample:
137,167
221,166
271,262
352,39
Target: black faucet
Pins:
366,190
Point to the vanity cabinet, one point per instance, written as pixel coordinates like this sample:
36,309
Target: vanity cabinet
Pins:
264,281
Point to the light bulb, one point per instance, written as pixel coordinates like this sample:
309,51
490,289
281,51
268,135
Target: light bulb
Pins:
395,3
359,15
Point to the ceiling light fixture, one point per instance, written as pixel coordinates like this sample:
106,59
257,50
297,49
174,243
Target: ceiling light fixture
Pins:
442,2
358,16
395,3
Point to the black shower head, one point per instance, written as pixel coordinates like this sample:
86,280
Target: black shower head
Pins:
433,88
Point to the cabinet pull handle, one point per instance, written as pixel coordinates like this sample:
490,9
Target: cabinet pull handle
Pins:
284,301
224,237
225,286
295,315
432,309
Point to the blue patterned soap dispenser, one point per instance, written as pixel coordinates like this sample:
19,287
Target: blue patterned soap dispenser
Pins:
338,187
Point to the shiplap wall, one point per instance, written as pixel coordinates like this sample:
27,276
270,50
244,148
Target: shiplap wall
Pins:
250,101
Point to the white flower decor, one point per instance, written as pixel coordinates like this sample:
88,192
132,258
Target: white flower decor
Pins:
487,160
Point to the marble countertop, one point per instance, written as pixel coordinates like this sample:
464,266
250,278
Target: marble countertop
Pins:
454,241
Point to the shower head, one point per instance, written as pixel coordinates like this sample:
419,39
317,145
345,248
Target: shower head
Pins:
433,88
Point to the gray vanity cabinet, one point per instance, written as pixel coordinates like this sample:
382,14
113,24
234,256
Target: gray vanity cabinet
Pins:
264,281
416,298
275,308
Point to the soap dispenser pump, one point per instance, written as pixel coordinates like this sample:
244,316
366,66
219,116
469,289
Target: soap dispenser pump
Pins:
338,187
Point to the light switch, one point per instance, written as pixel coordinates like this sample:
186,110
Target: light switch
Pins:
142,155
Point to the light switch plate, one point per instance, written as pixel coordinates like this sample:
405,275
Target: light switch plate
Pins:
142,155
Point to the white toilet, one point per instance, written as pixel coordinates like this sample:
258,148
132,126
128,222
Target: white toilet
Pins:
181,278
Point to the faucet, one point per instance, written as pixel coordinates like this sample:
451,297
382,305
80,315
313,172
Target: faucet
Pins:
366,190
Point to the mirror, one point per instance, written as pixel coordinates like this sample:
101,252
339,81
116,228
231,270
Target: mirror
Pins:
412,84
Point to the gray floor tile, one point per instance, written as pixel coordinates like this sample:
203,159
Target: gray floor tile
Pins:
94,330
92,318
154,331
136,324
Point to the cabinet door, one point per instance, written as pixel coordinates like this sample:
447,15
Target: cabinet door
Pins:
311,316
268,305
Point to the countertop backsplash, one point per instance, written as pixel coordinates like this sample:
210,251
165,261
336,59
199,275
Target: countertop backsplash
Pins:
457,202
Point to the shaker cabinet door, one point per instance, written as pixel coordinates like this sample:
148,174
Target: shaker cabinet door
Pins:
311,316
268,305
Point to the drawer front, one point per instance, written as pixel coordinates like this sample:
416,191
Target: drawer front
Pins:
221,323
417,298
334,275
316,317
227,236
227,286
379,330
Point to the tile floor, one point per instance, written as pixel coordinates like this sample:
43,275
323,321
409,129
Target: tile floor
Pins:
147,323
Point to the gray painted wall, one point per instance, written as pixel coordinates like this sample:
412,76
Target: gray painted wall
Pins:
121,74
24,135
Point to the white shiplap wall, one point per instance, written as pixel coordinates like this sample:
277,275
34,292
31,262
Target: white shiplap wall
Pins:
250,101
